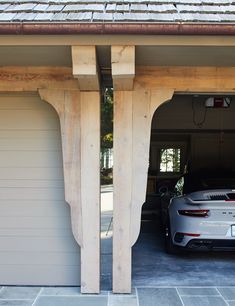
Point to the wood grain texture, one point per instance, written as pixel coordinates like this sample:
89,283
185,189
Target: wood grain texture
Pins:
90,191
146,103
187,79
122,181
79,114
133,114
67,105
123,67
101,40
26,78
85,67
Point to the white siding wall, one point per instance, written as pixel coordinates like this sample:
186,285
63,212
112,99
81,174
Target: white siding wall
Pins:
36,242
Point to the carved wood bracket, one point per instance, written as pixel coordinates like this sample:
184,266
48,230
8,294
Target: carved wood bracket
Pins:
67,105
79,114
145,103
133,114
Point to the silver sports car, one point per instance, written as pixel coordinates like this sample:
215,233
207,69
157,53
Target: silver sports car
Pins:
201,214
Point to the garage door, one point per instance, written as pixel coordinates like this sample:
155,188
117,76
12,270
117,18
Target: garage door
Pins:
36,242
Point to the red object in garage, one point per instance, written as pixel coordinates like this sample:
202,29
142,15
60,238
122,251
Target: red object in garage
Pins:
218,102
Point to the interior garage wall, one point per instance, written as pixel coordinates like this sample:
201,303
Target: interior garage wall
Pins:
36,242
213,150
209,133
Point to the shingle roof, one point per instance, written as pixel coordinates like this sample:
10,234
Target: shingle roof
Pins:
119,11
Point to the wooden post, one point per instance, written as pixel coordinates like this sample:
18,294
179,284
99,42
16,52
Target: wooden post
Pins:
122,181
133,112
79,114
90,191
123,67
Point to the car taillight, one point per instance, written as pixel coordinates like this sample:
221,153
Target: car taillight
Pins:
194,213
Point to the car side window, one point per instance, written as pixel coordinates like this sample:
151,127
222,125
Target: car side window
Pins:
179,186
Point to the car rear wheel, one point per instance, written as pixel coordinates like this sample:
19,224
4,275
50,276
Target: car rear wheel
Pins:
169,245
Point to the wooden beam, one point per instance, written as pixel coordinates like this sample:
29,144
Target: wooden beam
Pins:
85,67
31,78
133,112
79,115
181,79
123,67
187,79
101,40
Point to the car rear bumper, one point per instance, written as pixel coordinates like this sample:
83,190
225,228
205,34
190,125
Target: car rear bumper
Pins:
211,244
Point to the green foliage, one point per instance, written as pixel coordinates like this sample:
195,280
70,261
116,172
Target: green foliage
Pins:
106,176
106,180
108,138
107,119
106,132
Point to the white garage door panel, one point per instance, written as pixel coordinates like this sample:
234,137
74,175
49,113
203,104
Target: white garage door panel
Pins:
28,134
47,258
36,232
36,242
36,120
33,209
35,274
33,222
31,183
30,173
29,144
29,159
15,102
32,193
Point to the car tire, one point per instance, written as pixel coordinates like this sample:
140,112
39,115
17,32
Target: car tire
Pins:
169,245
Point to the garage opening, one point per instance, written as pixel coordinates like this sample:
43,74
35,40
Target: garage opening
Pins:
189,134
36,242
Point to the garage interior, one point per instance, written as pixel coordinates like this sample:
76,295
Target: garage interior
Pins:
203,136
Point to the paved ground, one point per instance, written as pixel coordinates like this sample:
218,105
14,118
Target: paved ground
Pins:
200,279
153,267
159,296
106,237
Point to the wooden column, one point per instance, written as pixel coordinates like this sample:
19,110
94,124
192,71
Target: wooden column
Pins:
133,112
80,132
90,191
